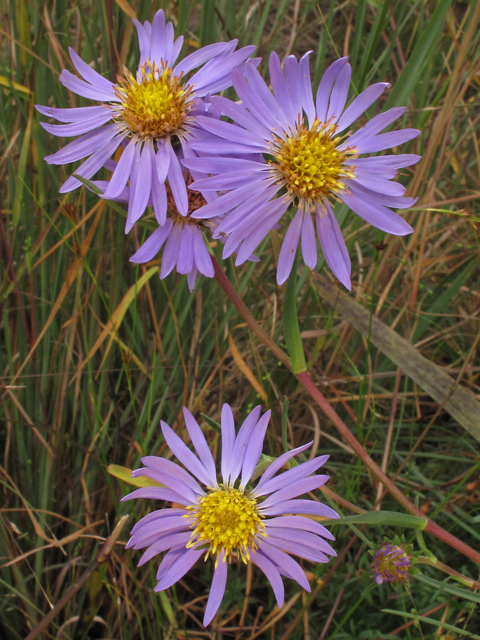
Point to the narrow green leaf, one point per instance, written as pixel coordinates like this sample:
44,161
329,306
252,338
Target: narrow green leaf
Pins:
376,518
424,50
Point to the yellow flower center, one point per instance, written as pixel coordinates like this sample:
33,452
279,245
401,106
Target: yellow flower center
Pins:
226,519
311,164
154,107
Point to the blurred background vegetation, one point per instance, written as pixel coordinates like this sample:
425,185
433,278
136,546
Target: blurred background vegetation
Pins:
95,350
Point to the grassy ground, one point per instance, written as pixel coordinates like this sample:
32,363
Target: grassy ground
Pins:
94,350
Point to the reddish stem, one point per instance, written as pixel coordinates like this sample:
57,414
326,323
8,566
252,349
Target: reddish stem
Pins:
308,384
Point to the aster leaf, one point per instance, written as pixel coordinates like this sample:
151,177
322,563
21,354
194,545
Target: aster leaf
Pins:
391,518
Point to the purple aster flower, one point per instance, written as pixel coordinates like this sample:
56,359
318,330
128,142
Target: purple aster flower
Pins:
229,518
151,112
185,247
309,158
391,563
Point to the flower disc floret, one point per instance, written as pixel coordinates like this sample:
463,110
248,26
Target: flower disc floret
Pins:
311,164
228,520
154,104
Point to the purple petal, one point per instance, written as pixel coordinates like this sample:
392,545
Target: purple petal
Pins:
79,127
309,241
333,246
375,183
216,590
254,449
172,470
185,251
201,446
292,475
272,214
386,140
242,217
170,254
176,181
84,146
306,88
303,537
159,194
325,87
152,246
232,133
285,564
339,94
231,180
241,443
142,184
86,90
157,48
241,116
228,441
170,482
394,202
192,278
374,126
177,47
120,176
168,559
263,94
289,248
377,215
152,533
298,549
360,105
216,75
203,261
173,540
277,464
295,489
179,568
299,522
154,493
186,457
143,42
158,516
162,161
305,507
219,146
197,58
223,165
280,88
228,201
395,161
73,114
292,76
254,105
92,165
272,574
89,74
169,37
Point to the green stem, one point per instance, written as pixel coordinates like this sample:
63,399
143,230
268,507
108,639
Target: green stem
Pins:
322,402
290,323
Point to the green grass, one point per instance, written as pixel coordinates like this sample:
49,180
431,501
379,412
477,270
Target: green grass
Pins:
72,403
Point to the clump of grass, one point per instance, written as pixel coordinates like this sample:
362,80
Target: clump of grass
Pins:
94,351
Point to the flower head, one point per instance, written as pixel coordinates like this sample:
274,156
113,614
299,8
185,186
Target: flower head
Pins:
230,518
391,563
308,159
149,112
185,247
